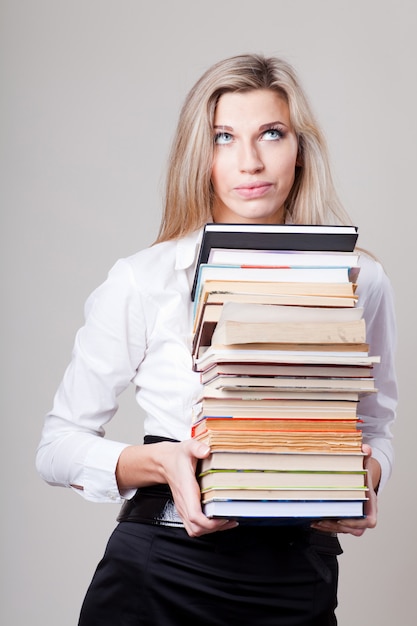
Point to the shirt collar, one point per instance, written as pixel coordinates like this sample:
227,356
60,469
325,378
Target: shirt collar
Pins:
187,249
188,246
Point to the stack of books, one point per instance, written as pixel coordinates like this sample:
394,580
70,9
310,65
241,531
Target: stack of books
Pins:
280,345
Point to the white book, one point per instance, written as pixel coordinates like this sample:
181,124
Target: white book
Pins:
282,258
278,509
218,355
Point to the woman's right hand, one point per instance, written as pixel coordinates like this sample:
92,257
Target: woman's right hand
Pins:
175,464
181,463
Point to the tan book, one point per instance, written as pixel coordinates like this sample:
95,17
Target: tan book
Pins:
274,274
231,332
272,289
284,461
212,315
290,408
278,394
281,480
284,299
226,493
285,369
271,441
305,352
282,412
273,424
252,383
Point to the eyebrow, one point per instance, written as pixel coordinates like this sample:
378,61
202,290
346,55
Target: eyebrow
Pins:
266,126
261,128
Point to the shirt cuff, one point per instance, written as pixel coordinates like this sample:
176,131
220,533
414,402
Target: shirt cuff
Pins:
99,473
385,467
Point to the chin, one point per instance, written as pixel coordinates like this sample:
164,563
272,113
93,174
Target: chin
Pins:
262,218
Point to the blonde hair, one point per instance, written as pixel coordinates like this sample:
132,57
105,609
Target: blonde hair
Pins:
188,194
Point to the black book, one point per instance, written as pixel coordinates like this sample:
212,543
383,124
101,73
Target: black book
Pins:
299,237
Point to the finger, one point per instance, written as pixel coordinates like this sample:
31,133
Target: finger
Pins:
198,449
338,526
367,450
209,526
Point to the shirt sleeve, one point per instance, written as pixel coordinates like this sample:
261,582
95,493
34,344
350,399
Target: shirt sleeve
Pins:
107,352
378,410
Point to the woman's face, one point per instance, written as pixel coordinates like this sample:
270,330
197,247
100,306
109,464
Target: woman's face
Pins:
255,156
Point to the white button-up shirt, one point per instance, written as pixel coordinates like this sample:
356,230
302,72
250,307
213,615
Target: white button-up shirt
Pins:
138,328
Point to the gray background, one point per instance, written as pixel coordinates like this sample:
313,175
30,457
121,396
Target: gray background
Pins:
90,93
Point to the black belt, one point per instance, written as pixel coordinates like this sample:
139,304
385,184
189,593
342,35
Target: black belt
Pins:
152,505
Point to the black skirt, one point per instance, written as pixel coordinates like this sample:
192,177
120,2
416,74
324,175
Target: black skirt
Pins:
154,574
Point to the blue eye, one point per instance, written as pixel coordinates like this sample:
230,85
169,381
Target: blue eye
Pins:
272,134
222,138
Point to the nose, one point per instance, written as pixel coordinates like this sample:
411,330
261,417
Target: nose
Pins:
250,160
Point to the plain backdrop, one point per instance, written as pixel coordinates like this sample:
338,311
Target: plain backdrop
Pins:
90,92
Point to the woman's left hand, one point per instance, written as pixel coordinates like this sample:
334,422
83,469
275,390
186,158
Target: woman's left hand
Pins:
358,526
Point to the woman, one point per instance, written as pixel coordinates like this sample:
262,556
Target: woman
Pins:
247,149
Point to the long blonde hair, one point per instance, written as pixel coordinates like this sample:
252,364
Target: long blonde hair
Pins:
188,195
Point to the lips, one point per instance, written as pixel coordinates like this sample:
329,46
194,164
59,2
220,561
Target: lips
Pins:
253,190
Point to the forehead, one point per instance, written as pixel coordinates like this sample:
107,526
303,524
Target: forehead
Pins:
257,106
